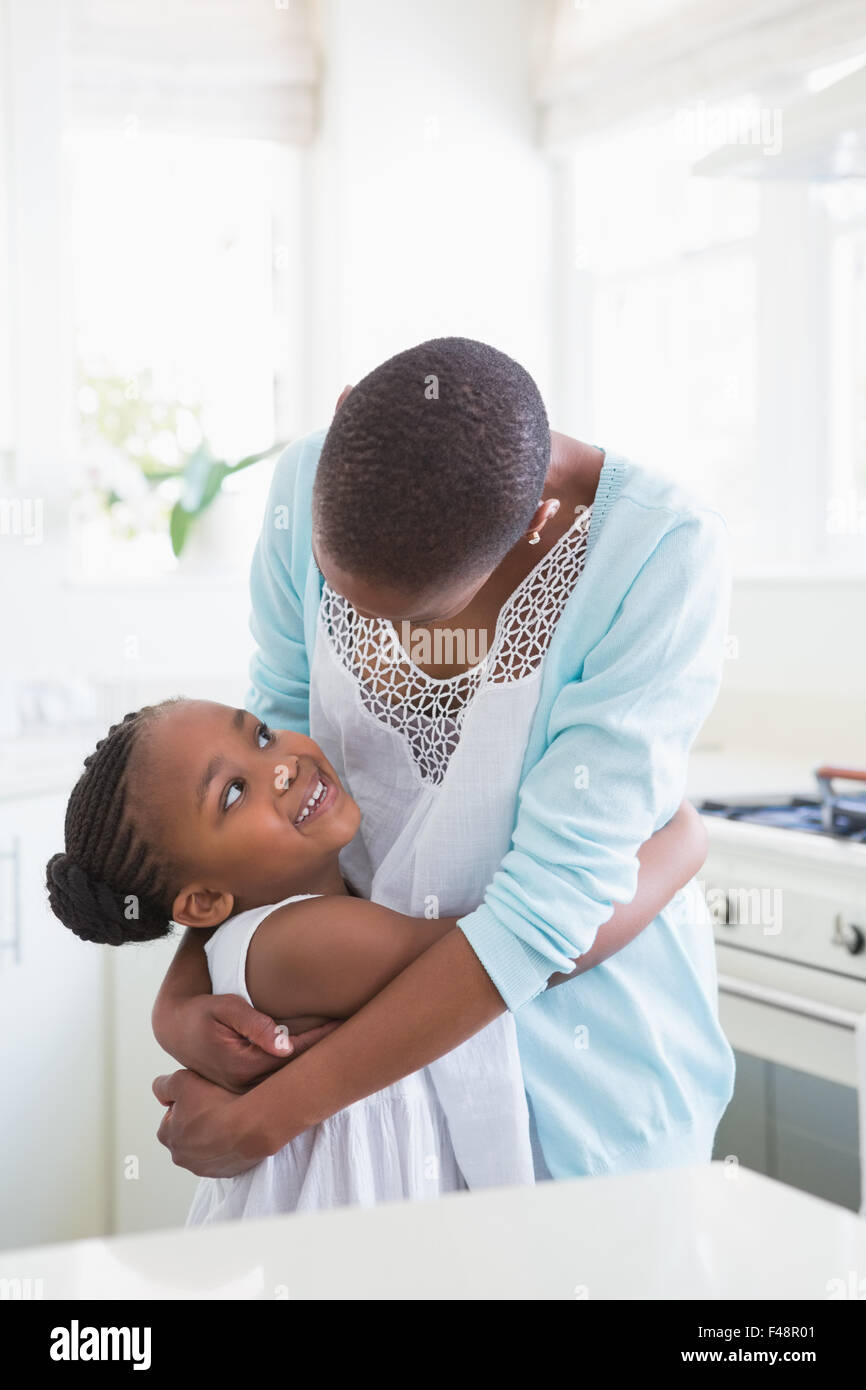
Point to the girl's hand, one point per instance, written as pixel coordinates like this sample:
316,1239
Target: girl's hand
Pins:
206,1129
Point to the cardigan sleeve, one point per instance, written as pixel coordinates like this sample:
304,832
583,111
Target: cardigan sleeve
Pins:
279,692
614,766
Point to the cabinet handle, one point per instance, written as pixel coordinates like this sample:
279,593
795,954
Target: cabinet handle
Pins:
11,940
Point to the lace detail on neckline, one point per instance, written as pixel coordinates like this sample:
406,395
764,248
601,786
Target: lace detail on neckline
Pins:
427,711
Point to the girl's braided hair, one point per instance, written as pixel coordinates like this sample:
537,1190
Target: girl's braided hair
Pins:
109,885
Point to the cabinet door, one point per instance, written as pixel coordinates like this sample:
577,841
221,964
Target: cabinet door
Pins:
150,1192
55,1061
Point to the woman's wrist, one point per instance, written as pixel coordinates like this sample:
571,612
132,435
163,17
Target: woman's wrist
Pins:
265,1127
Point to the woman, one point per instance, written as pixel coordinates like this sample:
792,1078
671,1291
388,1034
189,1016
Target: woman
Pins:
527,781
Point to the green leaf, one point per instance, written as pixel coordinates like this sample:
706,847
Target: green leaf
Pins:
196,475
179,527
257,458
212,485
158,474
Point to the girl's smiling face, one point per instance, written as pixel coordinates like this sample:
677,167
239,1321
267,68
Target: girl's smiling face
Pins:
248,814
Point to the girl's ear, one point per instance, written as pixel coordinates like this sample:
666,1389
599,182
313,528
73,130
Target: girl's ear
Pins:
202,907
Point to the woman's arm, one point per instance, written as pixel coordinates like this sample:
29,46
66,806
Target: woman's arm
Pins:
330,955
432,1006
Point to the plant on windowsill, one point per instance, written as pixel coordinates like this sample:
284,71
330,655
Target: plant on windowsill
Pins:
202,478
147,462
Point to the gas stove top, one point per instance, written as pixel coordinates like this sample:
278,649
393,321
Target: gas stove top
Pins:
825,813
794,813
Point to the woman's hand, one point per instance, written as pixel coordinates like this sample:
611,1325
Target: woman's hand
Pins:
233,1045
207,1130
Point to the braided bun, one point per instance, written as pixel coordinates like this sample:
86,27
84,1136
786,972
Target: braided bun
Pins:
96,912
112,884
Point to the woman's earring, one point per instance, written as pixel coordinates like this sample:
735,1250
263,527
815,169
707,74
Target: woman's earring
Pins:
534,538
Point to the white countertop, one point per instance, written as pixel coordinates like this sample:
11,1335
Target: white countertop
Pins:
714,1232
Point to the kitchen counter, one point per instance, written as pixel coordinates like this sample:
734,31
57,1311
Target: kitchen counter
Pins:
730,776
714,1232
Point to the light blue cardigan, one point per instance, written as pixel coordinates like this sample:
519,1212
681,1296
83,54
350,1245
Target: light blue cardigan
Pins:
626,1066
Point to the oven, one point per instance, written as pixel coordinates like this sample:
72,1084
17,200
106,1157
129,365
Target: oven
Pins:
785,882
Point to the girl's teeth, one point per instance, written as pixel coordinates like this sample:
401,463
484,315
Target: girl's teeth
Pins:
313,801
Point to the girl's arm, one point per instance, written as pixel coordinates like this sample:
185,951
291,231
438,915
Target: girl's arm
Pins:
328,956
668,861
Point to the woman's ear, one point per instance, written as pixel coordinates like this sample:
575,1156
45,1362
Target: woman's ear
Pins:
202,907
342,396
544,512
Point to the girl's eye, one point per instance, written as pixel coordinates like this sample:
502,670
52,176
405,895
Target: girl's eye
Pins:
263,732
230,798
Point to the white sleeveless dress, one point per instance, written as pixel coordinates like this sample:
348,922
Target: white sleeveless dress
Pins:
389,1146
435,766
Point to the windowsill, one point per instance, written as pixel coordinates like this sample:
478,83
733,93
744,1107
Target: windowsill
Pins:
160,585
799,574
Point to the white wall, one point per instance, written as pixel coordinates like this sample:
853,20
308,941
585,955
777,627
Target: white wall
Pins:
797,685
429,198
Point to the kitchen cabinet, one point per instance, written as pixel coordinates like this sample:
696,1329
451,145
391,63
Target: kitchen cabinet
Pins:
77,1055
149,1190
55,1057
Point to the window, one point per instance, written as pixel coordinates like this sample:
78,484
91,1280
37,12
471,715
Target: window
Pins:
725,344
846,208
181,299
151,172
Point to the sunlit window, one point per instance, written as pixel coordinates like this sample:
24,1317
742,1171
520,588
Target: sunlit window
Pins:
673,345
181,336
846,204
726,342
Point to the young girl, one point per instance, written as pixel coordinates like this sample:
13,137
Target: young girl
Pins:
193,813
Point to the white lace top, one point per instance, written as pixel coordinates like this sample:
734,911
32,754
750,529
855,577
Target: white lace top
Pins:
435,766
428,712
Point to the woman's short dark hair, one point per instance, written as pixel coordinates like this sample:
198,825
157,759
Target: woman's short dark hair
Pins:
433,466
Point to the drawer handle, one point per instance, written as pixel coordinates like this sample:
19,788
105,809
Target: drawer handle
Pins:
790,1003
